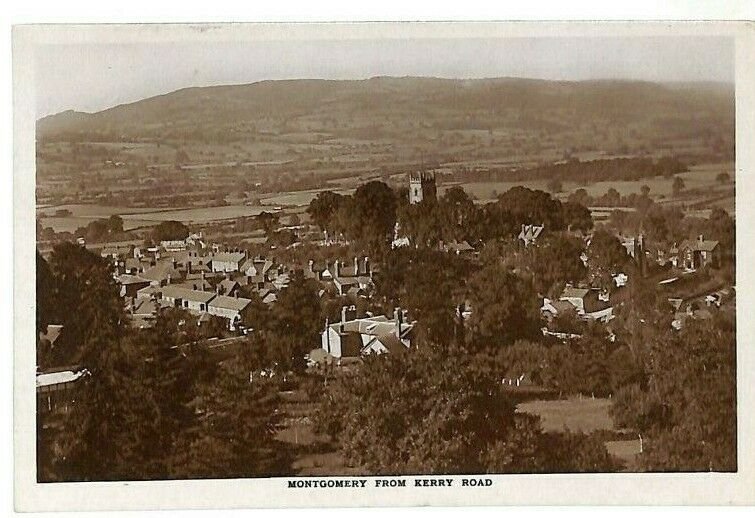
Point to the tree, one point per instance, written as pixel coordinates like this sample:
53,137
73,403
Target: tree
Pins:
46,294
577,216
552,264
677,186
433,412
528,206
504,308
554,185
295,323
723,178
426,283
687,411
323,208
170,231
234,433
645,190
606,257
373,213
93,306
459,214
115,224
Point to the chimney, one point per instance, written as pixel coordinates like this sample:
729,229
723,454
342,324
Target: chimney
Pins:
188,267
311,266
202,274
700,238
337,268
356,266
236,293
168,280
343,318
397,321
217,288
367,266
173,261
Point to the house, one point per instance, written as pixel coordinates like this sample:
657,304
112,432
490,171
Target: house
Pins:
162,273
192,300
57,390
699,253
142,312
529,233
368,335
589,304
177,245
228,287
256,267
131,284
51,334
234,309
227,261
463,248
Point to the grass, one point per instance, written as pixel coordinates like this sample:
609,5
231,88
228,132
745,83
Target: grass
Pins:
576,414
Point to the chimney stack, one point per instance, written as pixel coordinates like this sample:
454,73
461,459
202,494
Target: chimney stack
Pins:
343,318
356,266
311,266
700,238
337,268
168,280
397,321
367,265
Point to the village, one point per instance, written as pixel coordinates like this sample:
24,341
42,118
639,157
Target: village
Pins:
226,291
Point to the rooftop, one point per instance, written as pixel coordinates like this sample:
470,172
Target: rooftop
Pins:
225,302
176,292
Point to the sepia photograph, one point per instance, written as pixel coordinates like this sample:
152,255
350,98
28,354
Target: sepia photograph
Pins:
366,261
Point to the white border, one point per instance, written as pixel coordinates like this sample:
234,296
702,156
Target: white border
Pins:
507,489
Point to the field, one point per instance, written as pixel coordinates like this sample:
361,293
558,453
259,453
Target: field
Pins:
699,177
81,215
581,415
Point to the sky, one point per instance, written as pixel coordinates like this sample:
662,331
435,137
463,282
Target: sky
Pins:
93,77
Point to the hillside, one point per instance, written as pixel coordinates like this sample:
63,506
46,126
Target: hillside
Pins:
338,106
200,144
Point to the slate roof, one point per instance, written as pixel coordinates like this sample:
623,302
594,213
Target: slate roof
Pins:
578,293
229,257
52,334
225,302
176,292
702,246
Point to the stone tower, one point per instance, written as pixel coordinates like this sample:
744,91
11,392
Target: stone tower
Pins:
421,187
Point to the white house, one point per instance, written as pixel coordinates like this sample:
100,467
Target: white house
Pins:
193,300
227,261
234,309
369,335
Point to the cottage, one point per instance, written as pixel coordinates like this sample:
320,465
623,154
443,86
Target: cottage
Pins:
192,300
699,254
368,335
234,309
227,261
131,284
529,233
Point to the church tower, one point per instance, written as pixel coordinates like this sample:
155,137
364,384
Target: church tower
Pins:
421,187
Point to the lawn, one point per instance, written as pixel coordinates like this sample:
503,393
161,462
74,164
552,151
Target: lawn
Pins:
575,414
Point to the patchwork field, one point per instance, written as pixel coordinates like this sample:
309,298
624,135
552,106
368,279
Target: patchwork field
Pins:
699,177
